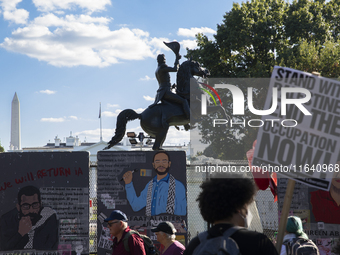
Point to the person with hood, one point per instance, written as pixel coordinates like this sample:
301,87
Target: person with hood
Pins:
294,232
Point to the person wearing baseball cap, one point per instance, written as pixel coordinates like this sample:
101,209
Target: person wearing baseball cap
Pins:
165,232
117,223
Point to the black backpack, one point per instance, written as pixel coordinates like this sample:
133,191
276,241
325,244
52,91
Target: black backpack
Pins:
301,246
220,245
149,247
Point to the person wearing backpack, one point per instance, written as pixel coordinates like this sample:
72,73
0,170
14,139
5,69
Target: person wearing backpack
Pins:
223,202
296,242
165,232
117,223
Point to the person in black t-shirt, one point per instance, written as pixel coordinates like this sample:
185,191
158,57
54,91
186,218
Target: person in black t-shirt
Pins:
224,202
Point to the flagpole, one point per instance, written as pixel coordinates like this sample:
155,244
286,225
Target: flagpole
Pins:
100,116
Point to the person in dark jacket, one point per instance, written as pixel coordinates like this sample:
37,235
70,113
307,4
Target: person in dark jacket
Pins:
117,223
223,202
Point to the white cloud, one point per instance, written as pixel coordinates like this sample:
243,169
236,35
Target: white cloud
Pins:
112,105
18,16
111,114
191,44
52,5
52,119
177,137
79,40
48,92
63,119
9,4
194,31
147,78
139,110
148,98
158,44
11,13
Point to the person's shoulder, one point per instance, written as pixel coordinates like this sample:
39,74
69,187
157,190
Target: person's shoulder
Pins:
245,233
177,181
135,235
192,246
179,246
10,214
318,196
319,193
251,242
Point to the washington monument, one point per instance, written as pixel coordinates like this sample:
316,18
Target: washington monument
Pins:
15,124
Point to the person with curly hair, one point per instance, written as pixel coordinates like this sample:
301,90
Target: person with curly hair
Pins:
223,202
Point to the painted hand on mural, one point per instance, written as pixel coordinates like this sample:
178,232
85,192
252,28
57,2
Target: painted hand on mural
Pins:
127,177
25,225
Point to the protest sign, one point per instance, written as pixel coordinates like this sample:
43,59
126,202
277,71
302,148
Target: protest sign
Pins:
48,192
300,139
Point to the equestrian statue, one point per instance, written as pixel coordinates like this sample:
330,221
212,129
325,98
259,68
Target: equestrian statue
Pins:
168,109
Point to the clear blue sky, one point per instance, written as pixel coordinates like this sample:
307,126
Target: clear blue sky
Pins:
63,58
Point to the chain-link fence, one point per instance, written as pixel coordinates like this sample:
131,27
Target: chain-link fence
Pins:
265,206
93,207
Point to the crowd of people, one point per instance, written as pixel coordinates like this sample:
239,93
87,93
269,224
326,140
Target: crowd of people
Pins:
223,203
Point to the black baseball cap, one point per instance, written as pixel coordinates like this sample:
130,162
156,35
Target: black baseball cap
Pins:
166,227
117,215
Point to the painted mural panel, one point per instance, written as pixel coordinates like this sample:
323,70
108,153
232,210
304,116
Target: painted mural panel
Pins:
44,203
149,187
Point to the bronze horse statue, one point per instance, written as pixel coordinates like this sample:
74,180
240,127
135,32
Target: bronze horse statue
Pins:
155,121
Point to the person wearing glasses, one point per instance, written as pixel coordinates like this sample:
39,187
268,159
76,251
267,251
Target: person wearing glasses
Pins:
163,194
117,223
29,225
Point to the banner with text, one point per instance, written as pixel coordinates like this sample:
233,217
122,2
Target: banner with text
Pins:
44,205
300,139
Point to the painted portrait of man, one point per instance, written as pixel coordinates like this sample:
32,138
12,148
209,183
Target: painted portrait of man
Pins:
29,225
162,194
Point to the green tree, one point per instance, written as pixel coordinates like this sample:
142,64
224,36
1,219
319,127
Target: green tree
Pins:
1,148
254,37
306,20
311,56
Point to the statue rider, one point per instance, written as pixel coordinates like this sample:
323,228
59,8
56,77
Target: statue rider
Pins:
164,90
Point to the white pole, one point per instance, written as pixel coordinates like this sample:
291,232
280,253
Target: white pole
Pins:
100,116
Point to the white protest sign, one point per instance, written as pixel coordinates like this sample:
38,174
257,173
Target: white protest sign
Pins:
303,142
